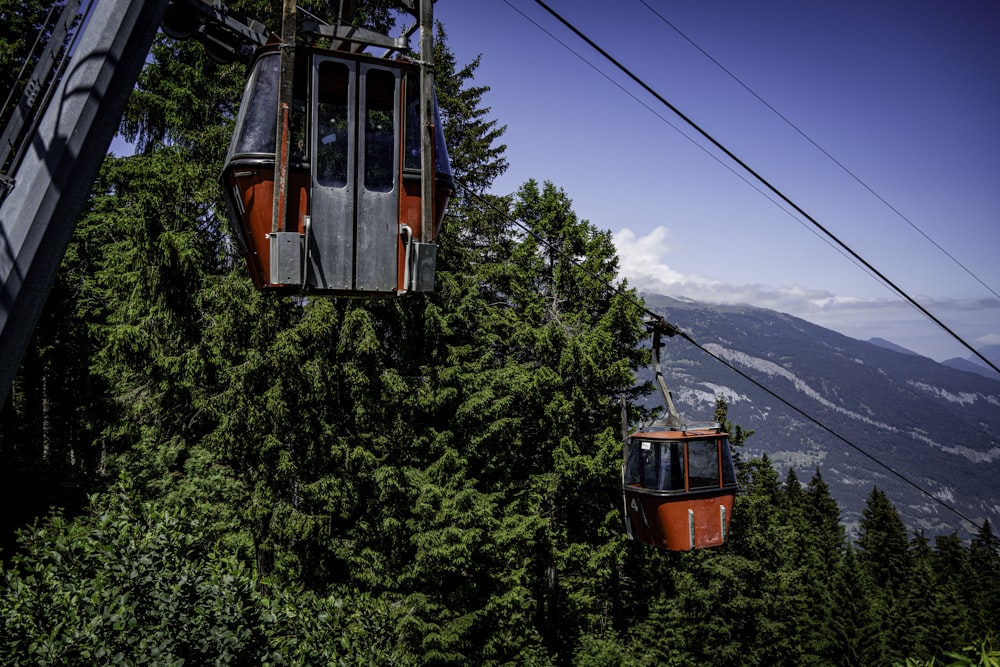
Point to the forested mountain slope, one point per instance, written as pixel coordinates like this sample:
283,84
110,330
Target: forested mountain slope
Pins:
937,426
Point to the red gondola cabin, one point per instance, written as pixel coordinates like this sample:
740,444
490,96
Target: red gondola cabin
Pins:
352,206
679,487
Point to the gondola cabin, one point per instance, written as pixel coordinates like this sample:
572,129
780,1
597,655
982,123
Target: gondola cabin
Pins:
350,219
679,486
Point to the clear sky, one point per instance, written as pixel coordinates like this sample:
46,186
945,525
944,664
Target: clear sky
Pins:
906,95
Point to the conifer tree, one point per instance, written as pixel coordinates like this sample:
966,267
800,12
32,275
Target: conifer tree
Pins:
823,514
883,553
914,617
882,544
793,499
858,635
822,554
984,562
449,462
955,583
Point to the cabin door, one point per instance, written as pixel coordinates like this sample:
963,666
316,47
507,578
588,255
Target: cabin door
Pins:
354,232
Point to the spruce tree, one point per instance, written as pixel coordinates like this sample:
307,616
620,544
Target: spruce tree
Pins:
561,347
858,635
883,553
984,562
955,585
882,544
823,514
822,559
914,615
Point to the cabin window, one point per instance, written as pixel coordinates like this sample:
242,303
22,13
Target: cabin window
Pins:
703,464
442,163
332,124
412,145
728,469
380,135
259,117
297,122
656,465
670,475
635,463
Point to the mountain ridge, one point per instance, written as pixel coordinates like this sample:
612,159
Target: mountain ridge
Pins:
889,345
974,364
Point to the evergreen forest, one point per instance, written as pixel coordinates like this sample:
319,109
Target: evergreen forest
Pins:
198,473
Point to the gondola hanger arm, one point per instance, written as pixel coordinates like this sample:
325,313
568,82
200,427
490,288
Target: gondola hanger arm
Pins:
659,326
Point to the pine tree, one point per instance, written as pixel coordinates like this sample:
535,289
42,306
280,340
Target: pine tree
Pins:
914,618
792,497
955,583
858,634
823,514
446,466
882,552
984,562
477,157
554,351
882,544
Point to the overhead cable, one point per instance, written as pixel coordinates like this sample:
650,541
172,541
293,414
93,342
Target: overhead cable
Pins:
820,148
689,138
763,181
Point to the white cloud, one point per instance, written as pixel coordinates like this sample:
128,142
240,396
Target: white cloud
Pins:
643,259
988,339
644,264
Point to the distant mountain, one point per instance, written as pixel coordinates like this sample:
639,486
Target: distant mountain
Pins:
889,345
936,426
974,364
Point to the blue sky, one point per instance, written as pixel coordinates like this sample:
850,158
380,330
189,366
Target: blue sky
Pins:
906,95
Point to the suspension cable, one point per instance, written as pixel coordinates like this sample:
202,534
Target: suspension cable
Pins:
763,181
822,150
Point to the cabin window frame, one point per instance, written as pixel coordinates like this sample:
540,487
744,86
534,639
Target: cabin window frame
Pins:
256,123
331,124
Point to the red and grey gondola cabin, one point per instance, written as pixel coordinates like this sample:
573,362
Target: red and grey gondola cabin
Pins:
351,222
679,486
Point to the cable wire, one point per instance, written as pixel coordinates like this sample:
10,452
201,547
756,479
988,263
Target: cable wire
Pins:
691,140
818,147
763,181
505,214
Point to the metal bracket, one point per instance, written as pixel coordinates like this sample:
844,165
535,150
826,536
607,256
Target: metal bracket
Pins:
286,258
226,34
354,34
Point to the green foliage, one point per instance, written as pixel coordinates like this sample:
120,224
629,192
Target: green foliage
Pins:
882,543
980,655
130,584
22,21
124,584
